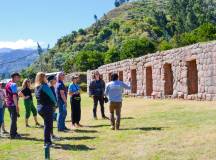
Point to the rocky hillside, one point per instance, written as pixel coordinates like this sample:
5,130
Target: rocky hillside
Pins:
132,30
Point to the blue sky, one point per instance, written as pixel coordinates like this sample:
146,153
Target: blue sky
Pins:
28,21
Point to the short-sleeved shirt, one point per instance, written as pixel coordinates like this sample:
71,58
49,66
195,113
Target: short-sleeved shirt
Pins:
27,92
2,97
11,89
60,86
74,87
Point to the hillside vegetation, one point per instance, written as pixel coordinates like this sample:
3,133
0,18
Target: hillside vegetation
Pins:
133,29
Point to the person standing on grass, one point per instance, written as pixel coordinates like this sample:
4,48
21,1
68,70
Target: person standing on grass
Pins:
28,102
2,101
12,104
61,93
96,91
45,105
75,100
114,90
52,85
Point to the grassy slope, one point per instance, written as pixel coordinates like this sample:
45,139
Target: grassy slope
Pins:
151,130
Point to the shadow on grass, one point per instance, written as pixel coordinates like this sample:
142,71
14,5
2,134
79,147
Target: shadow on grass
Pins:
85,131
77,138
127,118
145,128
72,147
30,139
98,126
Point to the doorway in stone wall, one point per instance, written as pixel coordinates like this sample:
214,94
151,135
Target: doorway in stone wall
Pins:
109,76
149,81
168,77
192,77
121,76
134,81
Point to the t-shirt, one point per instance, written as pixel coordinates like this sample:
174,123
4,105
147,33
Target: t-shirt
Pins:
27,92
2,97
60,86
11,89
73,87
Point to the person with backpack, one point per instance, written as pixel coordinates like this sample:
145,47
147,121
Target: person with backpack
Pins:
12,104
96,91
114,91
75,101
28,102
45,105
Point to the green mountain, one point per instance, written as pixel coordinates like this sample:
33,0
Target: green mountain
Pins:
133,29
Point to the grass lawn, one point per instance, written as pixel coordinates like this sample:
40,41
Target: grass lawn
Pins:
151,130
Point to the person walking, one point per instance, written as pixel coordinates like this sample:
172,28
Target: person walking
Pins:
96,91
61,93
45,105
114,90
2,101
28,102
12,104
75,100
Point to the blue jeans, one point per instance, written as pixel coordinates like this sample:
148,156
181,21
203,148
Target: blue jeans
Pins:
1,116
61,116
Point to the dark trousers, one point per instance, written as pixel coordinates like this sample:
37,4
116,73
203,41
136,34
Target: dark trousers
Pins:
99,99
46,112
75,109
1,116
13,124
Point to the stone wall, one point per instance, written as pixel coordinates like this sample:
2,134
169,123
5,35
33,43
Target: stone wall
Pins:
188,72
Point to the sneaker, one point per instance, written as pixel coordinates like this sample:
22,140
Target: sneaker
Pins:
55,138
112,128
38,125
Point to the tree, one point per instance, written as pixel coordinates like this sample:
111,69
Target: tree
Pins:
112,55
136,47
82,31
115,26
86,60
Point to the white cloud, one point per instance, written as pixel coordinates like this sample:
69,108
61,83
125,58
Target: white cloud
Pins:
20,44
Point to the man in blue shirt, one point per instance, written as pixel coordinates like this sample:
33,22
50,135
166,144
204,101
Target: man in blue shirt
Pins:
61,93
114,90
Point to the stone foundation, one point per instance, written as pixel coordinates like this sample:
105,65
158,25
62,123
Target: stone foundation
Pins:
187,73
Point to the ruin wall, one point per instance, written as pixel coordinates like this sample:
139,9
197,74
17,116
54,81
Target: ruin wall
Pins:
187,73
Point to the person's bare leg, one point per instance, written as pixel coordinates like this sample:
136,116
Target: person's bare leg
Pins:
26,122
36,121
3,128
